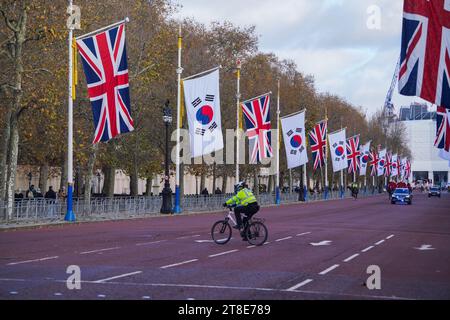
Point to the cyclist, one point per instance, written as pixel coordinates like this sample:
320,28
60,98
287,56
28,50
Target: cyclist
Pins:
244,202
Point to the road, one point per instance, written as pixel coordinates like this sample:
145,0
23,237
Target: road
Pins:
314,251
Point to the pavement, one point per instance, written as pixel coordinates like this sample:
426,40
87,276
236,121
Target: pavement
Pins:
340,249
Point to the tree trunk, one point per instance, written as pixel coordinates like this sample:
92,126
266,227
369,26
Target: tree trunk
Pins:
214,179
90,173
11,180
134,184
4,156
43,178
256,184
148,186
202,182
270,185
224,183
19,27
110,176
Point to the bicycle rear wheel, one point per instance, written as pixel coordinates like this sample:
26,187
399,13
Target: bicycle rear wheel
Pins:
256,233
221,232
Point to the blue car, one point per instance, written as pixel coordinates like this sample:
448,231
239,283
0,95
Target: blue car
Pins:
401,195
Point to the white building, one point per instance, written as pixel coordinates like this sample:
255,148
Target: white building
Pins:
421,133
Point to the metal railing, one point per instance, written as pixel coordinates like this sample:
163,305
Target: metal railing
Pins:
43,210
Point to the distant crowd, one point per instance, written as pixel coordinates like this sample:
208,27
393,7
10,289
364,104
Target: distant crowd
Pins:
35,193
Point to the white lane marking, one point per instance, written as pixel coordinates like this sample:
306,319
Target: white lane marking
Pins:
301,284
303,234
222,253
57,294
367,249
379,242
329,269
187,237
190,299
100,250
391,236
146,297
13,292
351,257
147,243
117,277
101,296
34,260
425,247
178,264
181,285
282,239
321,243
207,241
250,247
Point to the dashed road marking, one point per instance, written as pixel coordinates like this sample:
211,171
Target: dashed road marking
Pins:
390,237
303,234
187,237
266,243
379,242
301,284
101,296
118,277
329,269
146,297
148,243
99,250
178,264
367,249
34,260
222,253
250,247
13,292
283,239
351,257
57,294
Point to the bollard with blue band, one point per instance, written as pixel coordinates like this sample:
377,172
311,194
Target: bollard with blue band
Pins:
177,207
277,196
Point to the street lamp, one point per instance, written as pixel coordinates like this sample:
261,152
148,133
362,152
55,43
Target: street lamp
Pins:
166,207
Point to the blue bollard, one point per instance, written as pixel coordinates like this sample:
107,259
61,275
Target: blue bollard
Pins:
70,216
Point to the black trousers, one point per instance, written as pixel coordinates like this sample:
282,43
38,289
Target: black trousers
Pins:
248,210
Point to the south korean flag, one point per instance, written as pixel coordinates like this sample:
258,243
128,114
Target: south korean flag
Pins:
294,139
338,150
202,100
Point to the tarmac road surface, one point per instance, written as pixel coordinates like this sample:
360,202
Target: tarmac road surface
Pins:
314,251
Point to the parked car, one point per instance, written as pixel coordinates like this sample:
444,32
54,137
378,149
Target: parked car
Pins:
434,192
402,195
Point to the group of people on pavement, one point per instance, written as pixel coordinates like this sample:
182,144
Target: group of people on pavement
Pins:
35,193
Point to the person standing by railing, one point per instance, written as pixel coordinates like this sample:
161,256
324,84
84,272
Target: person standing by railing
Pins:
50,197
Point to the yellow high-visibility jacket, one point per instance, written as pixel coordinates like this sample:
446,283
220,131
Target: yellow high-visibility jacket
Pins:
243,198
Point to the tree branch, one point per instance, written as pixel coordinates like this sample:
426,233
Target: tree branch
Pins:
8,22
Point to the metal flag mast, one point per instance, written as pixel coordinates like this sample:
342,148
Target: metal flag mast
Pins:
326,155
277,184
177,207
70,216
238,118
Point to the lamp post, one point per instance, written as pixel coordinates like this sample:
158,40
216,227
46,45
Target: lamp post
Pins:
166,207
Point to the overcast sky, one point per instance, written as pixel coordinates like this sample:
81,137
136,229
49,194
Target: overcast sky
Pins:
328,39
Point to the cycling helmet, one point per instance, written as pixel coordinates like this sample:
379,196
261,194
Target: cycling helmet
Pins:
239,186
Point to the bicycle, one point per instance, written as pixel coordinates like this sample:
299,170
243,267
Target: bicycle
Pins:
254,230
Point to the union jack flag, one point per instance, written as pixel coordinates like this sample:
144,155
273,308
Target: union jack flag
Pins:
425,52
407,169
318,142
353,154
374,163
387,165
105,65
257,121
443,129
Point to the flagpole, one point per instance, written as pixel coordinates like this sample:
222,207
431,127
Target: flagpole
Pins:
177,207
326,156
70,216
238,106
277,187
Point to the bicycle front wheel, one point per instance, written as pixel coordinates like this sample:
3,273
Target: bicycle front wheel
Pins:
221,232
256,233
